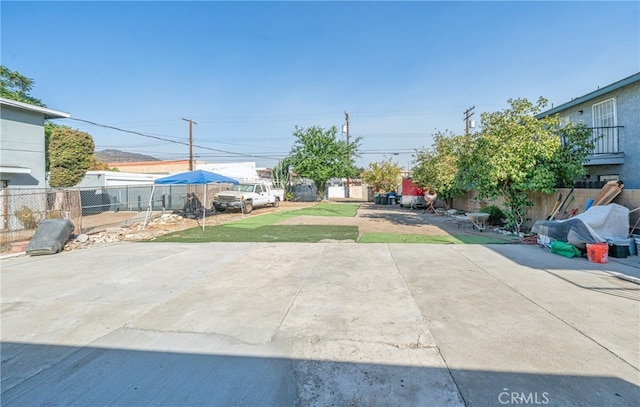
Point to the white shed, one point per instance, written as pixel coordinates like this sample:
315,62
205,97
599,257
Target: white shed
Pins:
114,178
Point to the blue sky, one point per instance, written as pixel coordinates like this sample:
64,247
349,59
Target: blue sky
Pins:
249,72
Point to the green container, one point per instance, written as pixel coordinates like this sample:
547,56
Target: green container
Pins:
377,199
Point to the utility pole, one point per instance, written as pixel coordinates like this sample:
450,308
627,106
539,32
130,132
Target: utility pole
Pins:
346,118
467,117
191,123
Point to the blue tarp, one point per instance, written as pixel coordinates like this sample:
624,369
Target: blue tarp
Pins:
195,177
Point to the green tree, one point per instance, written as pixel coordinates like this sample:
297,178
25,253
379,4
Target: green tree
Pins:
96,164
48,129
70,155
15,86
515,153
439,168
319,155
383,176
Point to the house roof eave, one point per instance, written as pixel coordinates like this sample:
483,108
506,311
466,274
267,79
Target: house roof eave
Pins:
48,113
591,95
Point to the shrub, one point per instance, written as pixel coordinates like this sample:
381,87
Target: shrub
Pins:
54,215
26,216
496,215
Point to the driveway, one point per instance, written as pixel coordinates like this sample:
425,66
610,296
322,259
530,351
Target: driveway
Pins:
317,324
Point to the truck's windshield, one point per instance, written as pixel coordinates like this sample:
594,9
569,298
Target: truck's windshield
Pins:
242,187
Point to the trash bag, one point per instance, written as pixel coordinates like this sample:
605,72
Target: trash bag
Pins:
50,237
565,249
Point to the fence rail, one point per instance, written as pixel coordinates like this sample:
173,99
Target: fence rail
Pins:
605,139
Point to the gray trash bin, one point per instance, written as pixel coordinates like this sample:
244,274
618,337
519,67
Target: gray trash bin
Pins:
392,199
50,237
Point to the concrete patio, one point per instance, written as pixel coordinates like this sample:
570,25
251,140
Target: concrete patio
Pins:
317,324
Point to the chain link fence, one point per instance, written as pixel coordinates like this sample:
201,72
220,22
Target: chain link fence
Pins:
92,208
22,209
97,208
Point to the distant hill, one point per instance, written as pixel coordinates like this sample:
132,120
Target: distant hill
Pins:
117,156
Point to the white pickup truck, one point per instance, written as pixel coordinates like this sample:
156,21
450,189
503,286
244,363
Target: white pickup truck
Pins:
247,196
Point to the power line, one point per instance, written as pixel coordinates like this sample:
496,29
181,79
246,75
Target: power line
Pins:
310,115
106,126
231,154
389,151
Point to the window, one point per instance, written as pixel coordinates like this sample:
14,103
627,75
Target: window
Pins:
610,177
605,122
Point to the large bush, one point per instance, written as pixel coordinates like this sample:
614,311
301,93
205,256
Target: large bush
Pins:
70,156
496,216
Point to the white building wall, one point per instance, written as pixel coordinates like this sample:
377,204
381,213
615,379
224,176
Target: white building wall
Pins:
112,179
243,172
336,192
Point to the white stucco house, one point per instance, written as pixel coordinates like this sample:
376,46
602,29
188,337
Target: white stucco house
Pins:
22,151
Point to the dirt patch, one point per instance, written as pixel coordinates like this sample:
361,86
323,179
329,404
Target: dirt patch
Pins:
173,224
398,220
376,218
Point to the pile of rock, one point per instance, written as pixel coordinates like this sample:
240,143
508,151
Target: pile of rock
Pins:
165,219
83,241
133,232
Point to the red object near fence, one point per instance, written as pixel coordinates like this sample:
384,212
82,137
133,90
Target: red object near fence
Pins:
410,190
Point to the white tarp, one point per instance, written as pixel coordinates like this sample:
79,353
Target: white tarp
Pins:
597,224
604,222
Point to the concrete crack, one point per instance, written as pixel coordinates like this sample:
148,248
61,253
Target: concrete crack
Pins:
295,297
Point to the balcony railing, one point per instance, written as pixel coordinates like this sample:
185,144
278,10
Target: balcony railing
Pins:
605,139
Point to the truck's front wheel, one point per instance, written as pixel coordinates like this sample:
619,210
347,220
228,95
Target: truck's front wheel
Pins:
248,207
276,203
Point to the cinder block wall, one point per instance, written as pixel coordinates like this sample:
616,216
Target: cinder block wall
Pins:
543,204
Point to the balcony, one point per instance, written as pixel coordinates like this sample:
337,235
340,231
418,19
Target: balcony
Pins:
606,150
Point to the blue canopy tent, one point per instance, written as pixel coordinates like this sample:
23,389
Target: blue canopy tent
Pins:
198,177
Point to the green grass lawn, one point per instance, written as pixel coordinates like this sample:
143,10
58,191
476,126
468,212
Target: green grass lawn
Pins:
263,228
323,209
267,233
